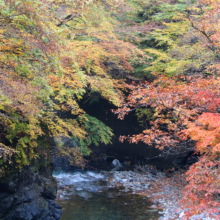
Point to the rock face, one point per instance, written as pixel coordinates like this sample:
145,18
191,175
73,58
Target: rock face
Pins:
29,196
61,163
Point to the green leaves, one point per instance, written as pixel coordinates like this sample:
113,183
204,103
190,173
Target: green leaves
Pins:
2,3
97,132
170,11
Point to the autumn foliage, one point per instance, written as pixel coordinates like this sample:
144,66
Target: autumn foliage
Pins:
186,110
52,54
55,53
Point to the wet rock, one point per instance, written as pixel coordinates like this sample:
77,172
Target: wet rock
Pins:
61,186
130,180
118,168
32,199
85,195
6,203
49,188
55,209
147,185
124,180
116,163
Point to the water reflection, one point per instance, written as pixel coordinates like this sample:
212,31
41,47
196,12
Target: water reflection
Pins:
86,196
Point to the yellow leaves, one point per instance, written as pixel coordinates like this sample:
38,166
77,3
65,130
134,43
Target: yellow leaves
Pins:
10,47
37,78
146,131
92,42
34,129
162,56
89,53
91,56
2,31
69,126
6,153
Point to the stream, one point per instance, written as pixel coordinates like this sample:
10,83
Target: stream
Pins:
87,195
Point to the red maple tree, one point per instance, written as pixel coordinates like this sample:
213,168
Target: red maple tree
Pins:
184,111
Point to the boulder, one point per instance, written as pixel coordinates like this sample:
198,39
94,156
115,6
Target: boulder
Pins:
29,196
116,163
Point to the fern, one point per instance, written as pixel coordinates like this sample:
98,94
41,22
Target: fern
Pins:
97,132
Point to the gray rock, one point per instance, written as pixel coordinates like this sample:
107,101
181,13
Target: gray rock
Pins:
116,163
32,199
147,185
124,180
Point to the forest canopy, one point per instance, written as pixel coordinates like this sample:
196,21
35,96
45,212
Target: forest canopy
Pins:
157,58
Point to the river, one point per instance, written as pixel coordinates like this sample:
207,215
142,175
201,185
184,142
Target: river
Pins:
87,195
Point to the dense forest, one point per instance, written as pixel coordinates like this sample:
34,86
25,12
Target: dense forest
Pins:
158,58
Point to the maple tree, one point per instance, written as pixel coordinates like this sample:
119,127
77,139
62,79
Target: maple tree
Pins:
183,111
184,108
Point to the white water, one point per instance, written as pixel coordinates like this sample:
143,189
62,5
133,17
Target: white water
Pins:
80,183
78,177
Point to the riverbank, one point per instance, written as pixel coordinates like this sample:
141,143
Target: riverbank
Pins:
165,192
162,190
164,197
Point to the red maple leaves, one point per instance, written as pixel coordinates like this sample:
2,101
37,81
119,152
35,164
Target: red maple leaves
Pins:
184,111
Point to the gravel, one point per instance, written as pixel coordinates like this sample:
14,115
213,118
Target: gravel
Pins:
166,199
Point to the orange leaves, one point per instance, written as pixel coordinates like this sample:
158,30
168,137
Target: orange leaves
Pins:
206,131
203,177
203,186
21,95
183,112
177,104
53,80
11,48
